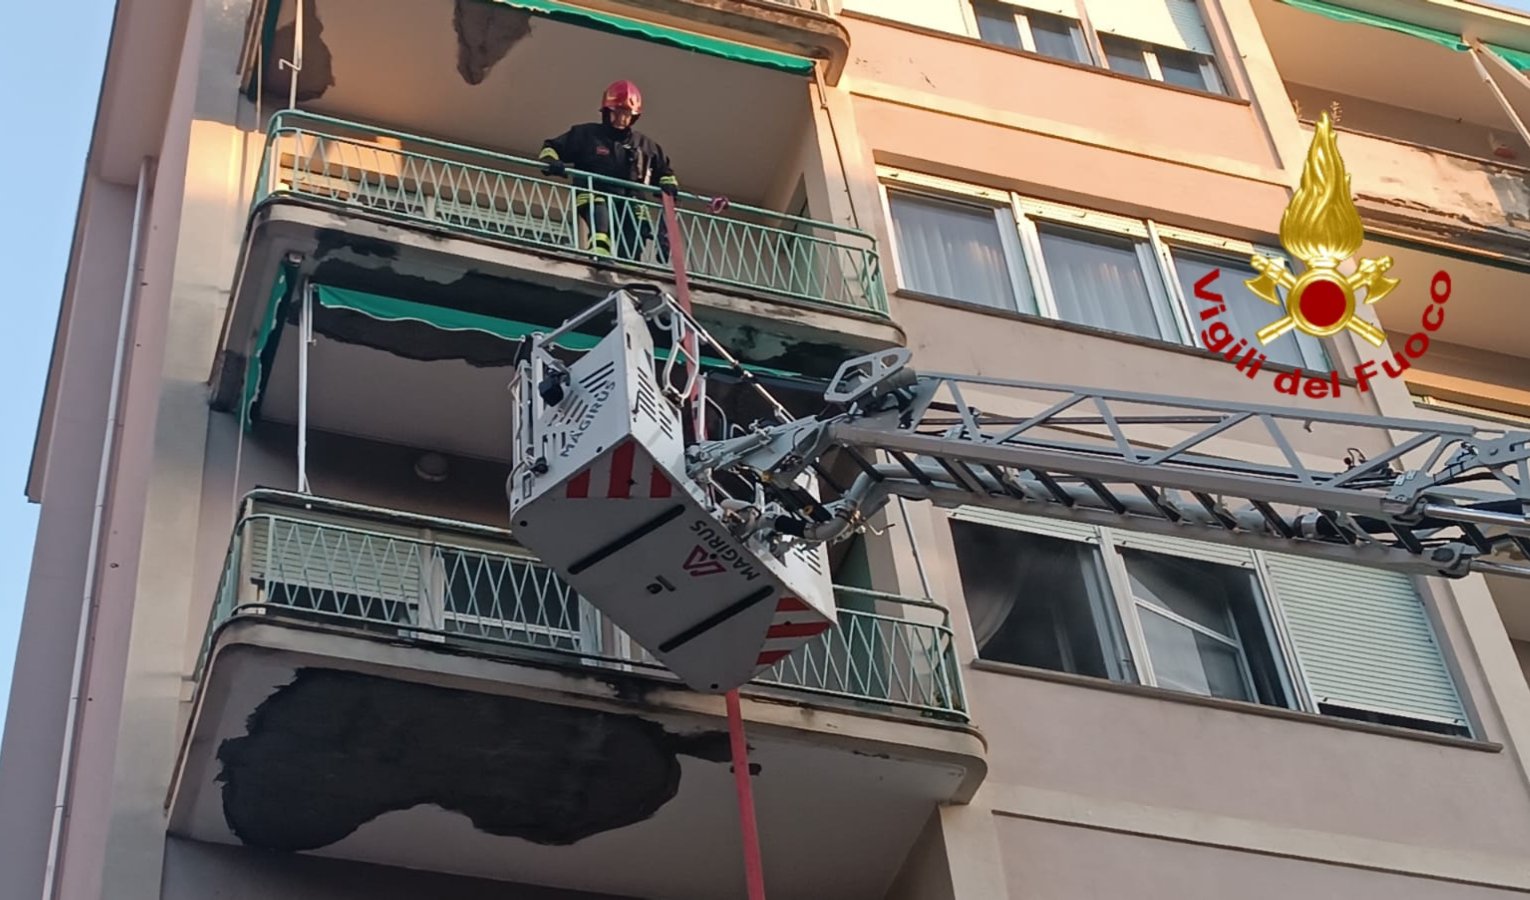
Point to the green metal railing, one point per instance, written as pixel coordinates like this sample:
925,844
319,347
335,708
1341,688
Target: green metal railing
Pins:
507,198
438,582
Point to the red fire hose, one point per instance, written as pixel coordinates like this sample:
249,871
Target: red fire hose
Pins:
754,869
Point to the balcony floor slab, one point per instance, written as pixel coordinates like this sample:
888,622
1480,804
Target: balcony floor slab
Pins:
310,739
362,250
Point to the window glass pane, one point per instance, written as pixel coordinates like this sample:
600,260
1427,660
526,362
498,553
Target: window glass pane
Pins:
1097,279
1246,312
1185,660
1181,587
996,24
1224,600
1181,68
1056,36
1037,601
951,250
1124,56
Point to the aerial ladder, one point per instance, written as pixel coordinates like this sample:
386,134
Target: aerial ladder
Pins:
711,553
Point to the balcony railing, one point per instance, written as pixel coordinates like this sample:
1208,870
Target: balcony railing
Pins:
507,199
437,582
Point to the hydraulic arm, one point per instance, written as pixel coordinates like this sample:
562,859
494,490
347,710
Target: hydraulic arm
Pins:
711,553
1437,498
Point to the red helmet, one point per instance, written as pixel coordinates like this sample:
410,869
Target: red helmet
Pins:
623,95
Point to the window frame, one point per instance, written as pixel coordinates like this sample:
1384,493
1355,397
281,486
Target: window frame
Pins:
1016,265
1028,268
1084,42
1113,541
1211,72
1107,545
1092,44
1105,553
1316,353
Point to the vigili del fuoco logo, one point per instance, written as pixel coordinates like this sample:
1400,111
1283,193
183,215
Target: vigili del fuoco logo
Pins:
1321,227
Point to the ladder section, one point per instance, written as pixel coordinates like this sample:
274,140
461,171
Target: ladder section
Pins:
1428,497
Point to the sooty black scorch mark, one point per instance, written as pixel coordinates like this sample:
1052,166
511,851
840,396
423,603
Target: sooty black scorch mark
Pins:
318,74
333,750
485,34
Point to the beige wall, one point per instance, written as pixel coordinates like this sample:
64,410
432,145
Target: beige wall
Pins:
1060,862
1075,770
926,873
34,732
1493,381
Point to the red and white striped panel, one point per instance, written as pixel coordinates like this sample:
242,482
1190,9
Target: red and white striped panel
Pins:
793,624
620,475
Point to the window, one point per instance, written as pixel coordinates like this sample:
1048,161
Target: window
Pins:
1164,40
1202,628
1218,621
1125,57
1039,601
1114,273
1107,281
997,24
1187,69
1053,603
1166,64
957,251
1246,312
1018,28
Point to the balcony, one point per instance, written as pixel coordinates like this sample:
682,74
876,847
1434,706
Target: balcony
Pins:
492,196
454,226
1417,191
423,676
801,31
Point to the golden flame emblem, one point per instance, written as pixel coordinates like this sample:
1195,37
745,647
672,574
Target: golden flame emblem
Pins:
1321,227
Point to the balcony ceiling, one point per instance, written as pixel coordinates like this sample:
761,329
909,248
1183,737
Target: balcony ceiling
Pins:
728,126
306,741
1378,65
442,405
1486,309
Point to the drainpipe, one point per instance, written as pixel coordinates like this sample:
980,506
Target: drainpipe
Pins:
305,339
295,64
839,151
92,555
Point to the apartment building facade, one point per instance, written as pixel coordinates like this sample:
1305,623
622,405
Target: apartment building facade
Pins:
312,661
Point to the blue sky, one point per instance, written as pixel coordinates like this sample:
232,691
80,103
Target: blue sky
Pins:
50,73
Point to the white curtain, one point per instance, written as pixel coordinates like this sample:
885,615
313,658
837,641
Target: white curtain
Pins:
1097,280
951,250
1246,313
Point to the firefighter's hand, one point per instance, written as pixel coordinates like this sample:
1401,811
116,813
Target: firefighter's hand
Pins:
555,168
670,186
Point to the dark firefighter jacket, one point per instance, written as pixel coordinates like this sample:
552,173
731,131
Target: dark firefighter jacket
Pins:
629,155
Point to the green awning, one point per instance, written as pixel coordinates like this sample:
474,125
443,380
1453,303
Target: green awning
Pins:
259,369
660,34
412,330
1520,59
439,318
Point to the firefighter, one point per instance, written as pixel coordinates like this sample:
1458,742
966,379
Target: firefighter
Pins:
614,150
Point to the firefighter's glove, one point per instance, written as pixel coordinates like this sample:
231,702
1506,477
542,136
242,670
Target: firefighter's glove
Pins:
555,168
670,185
